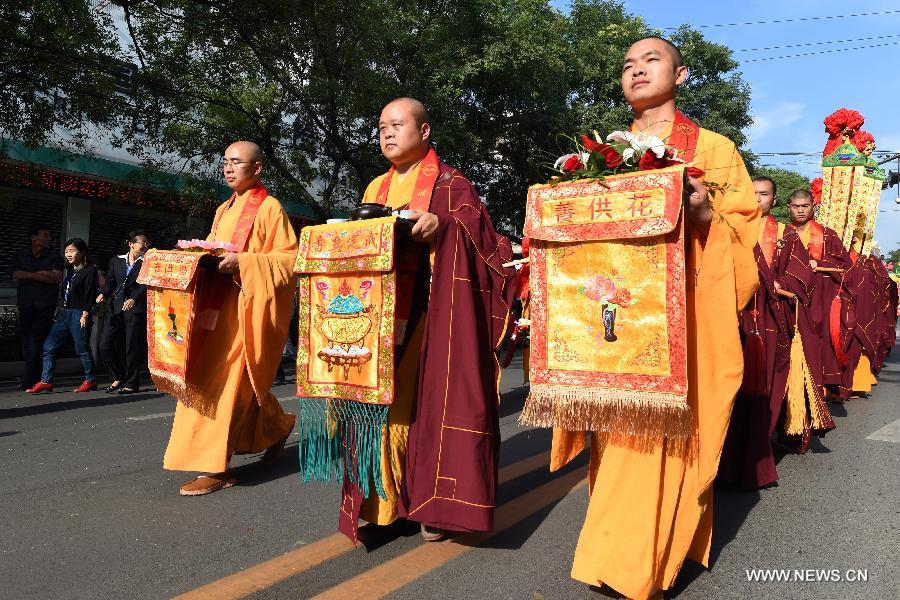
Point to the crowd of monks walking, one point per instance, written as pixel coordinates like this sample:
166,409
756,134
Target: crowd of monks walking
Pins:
814,323
818,330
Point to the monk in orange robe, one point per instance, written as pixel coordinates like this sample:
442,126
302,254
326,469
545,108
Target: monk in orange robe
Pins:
649,510
235,412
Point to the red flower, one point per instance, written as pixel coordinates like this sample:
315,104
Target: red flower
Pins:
572,164
613,159
621,298
695,172
843,118
815,188
649,161
590,144
861,138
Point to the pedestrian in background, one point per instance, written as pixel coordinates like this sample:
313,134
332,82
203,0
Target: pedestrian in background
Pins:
124,342
77,293
37,272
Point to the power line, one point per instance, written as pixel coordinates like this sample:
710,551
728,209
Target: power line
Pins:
796,153
798,19
865,39
819,52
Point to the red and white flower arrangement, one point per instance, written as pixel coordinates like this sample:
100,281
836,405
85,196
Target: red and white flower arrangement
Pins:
622,152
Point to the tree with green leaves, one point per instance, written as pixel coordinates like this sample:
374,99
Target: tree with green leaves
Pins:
58,70
306,81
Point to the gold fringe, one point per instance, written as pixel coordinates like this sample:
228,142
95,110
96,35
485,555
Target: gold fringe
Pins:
817,408
188,395
640,420
799,384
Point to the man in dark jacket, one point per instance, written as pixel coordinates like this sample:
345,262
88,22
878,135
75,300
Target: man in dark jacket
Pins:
37,273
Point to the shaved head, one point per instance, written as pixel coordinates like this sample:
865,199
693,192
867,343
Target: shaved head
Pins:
672,49
404,131
242,165
416,109
800,195
248,150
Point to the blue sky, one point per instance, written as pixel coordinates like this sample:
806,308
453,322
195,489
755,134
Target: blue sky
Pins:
791,96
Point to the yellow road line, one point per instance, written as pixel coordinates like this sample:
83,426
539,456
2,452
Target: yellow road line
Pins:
266,574
392,575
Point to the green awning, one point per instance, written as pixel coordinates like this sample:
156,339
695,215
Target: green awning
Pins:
112,170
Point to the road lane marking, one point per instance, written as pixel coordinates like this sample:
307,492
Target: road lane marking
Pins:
394,574
153,416
888,433
171,414
266,574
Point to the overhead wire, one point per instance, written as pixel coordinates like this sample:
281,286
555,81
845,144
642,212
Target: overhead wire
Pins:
752,60
822,43
798,19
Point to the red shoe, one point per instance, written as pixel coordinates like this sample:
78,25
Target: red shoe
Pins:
86,386
39,387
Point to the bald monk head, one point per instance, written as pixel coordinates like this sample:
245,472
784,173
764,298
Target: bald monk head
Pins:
801,206
766,193
652,70
242,165
404,132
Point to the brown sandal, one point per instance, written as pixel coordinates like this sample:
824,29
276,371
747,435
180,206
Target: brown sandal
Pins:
273,453
207,484
432,534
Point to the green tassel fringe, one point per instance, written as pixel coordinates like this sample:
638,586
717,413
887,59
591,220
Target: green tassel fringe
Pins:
342,438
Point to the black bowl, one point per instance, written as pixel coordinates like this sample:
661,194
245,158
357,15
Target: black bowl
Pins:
369,211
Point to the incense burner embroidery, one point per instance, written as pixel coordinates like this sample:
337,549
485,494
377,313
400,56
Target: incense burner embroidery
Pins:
345,321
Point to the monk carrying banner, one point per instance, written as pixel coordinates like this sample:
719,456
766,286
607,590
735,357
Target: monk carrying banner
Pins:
425,446
217,327
656,434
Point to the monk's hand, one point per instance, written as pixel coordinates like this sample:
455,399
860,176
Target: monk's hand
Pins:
777,286
699,207
229,264
128,304
426,227
813,264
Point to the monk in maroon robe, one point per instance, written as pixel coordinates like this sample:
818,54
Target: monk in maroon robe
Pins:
860,320
796,273
747,457
446,444
830,260
887,309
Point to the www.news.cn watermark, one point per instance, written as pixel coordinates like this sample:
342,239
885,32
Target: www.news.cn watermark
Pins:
807,575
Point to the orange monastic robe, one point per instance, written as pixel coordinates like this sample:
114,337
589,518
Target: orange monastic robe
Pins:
393,448
648,511
242,353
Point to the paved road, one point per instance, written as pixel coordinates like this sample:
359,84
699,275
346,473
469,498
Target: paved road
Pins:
88,512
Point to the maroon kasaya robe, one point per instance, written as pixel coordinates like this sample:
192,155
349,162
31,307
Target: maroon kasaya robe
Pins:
794,274
854,319
833,255
747,457
450,478
859,320
887,310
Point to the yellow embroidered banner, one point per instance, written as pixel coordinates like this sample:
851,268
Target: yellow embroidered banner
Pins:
608,322
170,280
347,298
851,190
